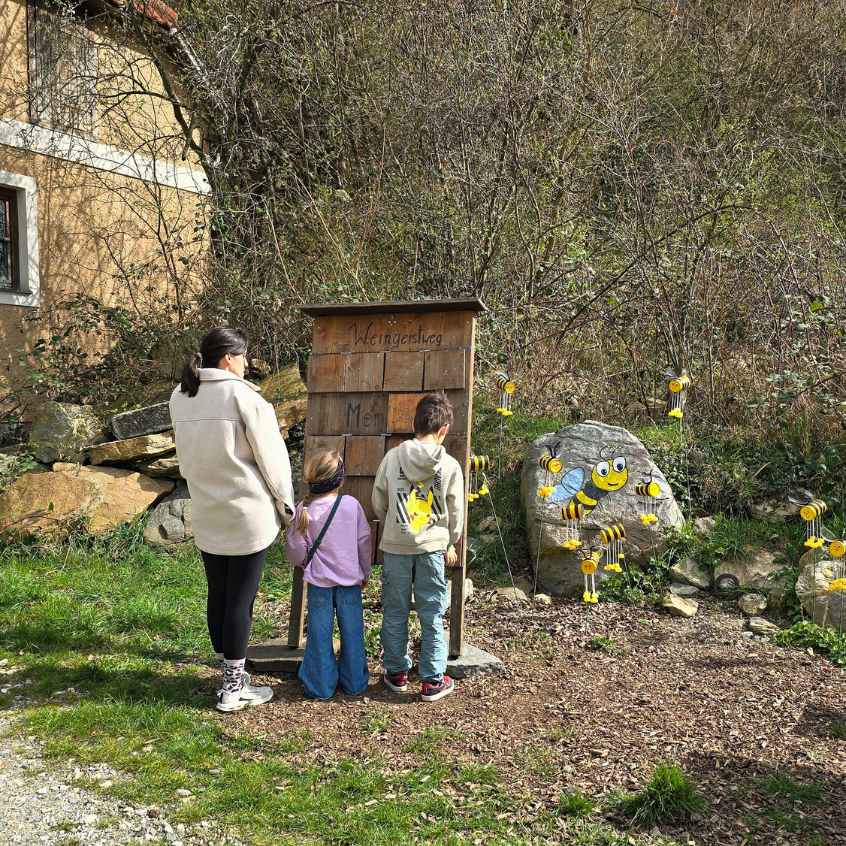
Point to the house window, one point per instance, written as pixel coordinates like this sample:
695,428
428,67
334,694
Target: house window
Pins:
63,68
9,244
19,273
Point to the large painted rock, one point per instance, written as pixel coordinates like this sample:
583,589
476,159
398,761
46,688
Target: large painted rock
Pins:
612,461
169,522
61,431
821,588
49,503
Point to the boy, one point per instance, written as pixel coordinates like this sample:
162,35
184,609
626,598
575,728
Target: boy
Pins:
418,495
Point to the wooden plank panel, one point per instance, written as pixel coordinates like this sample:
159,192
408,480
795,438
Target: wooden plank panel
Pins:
445,369
400,332
326,414
316,443
361,487
340,414
364,372
403,371
326,373
365,414
461,407
401,408
364,454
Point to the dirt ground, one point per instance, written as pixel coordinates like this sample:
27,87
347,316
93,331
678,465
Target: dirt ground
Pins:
574,713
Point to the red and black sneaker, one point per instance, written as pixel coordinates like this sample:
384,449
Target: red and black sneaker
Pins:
432,691
397,682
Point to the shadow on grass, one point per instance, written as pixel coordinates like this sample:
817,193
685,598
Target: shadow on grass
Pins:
777,803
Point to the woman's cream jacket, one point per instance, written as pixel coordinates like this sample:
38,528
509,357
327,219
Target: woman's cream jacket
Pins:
235,462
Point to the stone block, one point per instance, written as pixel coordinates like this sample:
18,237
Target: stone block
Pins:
472,662
142,421
121,452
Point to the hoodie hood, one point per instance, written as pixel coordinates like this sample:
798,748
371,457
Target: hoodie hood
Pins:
419,461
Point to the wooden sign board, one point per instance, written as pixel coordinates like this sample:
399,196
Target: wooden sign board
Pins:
370,365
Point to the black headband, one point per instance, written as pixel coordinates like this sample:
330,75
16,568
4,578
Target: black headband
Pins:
326,485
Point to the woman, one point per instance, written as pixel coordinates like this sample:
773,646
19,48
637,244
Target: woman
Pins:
234,460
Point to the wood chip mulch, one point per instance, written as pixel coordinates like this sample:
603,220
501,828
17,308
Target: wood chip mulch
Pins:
733,712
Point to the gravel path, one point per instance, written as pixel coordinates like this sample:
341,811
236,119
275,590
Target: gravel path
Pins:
48,804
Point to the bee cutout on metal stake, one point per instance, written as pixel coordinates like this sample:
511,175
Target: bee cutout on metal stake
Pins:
507,387
552,466
572,513
612,539
550,463
677,389
478,465
837,548
648,491
588,564
812,513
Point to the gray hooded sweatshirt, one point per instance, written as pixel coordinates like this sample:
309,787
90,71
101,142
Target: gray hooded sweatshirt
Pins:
418,495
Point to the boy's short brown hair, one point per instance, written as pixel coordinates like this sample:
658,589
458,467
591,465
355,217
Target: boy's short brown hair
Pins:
432,412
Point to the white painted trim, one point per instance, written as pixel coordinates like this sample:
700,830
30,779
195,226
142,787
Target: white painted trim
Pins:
27,208
72,148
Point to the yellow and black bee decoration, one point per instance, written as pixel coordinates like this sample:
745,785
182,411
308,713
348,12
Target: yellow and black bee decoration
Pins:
507,388
648,491
573,513
612,539
478,465
577,488
551,464
837,548
588,564
812,513
677,389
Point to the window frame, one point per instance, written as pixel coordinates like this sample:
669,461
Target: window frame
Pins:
25,240
41,15
11,196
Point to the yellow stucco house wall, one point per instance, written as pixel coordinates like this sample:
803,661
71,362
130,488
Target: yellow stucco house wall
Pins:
104,203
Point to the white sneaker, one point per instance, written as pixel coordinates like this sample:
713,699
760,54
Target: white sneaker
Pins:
247,697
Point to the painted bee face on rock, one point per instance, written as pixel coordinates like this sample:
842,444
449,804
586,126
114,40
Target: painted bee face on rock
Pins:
610,475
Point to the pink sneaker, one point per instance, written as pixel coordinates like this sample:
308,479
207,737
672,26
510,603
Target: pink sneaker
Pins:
397,682
432,691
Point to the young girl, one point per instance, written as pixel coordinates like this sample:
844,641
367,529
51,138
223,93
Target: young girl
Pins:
330,539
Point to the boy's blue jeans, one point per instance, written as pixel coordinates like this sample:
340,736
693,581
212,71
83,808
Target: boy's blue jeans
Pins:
321,672
426,573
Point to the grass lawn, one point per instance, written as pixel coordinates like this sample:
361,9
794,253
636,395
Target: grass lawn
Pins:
111,638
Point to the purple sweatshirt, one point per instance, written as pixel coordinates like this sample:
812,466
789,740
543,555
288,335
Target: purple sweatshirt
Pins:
343,557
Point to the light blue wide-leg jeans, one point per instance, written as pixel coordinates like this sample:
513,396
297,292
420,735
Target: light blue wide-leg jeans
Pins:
426,572
321,671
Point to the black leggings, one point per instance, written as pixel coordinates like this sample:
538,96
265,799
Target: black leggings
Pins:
233,583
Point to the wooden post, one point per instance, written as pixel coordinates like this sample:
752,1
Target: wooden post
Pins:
295,624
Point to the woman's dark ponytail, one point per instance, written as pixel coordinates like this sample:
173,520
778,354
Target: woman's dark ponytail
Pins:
190,383
216,343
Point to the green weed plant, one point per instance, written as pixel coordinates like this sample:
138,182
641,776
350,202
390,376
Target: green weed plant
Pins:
668,798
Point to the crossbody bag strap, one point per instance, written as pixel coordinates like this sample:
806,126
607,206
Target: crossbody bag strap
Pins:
313,548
